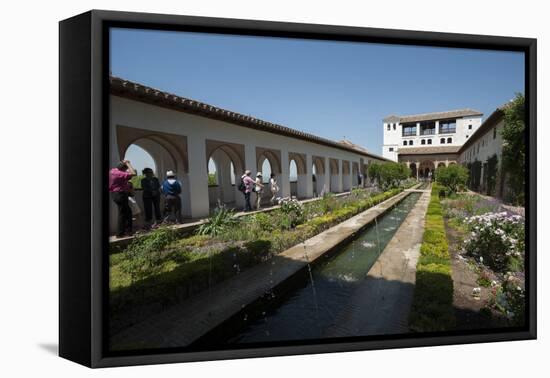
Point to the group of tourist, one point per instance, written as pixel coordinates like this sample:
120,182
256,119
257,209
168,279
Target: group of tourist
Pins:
122,193
249,185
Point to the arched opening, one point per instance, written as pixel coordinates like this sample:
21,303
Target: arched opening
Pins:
140,159
298,176
449,140
148,152
429,141
233,173
414,169
228,159
426,169
442,141
269,163
346,176
410,142
441,164
335,179
266,171
318,176
212,173
355,174
293,178
223,163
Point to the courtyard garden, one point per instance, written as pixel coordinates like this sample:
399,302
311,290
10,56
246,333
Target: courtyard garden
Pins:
161,268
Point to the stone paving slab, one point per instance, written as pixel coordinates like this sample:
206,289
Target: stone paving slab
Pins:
186,322
381,304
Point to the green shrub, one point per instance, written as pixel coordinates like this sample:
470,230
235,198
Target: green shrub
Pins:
263,221
389,174
145,254
452,177
219,222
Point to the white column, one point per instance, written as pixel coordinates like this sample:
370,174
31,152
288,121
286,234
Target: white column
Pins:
250,160
326,185
226,190
309,173
418,129
366,173
436,127
198,176
340,182
285,173
417,169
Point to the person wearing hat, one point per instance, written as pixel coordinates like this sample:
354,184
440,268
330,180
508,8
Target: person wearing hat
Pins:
258,189
246,186
171,188
151,196
119,187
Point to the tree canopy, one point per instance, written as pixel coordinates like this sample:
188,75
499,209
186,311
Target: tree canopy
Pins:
452,177
389,174
513,149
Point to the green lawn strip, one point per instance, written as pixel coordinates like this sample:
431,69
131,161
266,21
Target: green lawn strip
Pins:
193,264
432,308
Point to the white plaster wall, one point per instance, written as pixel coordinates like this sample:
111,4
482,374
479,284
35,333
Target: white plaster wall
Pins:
392,139
462,129
484,147
129,113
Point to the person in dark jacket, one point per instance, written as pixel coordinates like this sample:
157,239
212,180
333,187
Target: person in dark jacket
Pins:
151,196
171,188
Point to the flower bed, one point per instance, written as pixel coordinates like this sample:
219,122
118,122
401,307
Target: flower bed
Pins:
493,244
498,240
432,308
159,269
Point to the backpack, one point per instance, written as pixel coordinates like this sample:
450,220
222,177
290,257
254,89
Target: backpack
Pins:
242,186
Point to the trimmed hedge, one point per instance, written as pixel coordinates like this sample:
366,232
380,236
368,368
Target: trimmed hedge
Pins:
432,308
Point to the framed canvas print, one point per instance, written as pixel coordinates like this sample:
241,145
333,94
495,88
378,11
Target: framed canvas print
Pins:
234,188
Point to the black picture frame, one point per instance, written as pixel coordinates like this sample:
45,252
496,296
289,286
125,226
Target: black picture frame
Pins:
83,119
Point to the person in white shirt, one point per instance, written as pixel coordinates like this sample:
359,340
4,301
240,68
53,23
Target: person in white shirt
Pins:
259,187
274,188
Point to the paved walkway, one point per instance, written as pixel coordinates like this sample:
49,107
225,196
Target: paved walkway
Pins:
186,322
381,305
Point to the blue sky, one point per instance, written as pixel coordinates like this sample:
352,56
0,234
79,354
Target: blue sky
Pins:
331,89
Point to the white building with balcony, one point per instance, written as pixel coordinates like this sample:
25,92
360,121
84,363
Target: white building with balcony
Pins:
448,129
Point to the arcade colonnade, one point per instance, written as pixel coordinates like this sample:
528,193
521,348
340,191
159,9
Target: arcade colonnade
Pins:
422,165
185,142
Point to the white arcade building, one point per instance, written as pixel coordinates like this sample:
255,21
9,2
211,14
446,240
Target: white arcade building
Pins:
183,135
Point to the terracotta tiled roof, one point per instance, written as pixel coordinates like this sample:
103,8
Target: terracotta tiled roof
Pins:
357,147
428,150
460,113
139,92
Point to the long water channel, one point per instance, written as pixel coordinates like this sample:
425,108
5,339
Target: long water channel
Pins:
313,307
